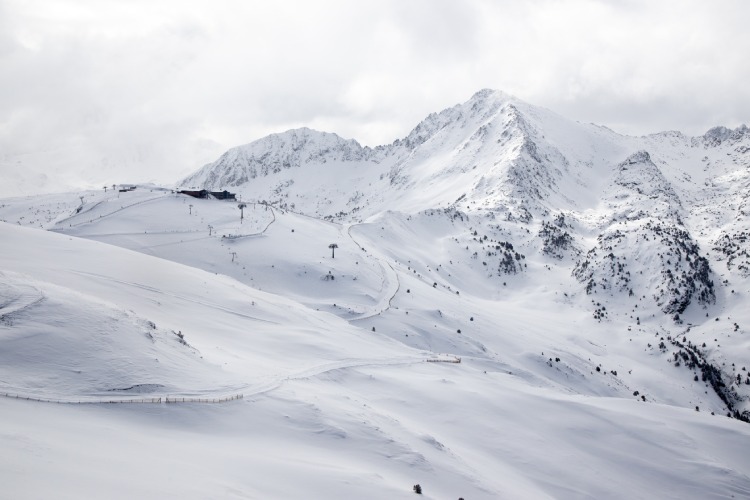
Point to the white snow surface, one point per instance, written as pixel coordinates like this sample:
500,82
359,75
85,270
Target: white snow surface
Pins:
571,270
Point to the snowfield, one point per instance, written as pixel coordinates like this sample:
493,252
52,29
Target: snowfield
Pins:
517,306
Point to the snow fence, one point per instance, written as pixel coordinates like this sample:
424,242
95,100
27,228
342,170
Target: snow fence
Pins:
157,400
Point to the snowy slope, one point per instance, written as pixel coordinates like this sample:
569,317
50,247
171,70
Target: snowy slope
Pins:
657,223
62,345
340,408
594,287
99,303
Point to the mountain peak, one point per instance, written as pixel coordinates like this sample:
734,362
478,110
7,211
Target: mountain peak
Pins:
490,94
719,134
274,153
302,135
477,110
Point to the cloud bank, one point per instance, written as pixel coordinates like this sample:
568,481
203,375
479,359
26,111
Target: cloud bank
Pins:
100,91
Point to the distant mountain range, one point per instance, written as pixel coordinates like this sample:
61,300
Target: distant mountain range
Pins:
606,201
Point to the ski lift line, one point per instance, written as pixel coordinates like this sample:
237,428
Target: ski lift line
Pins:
103,216
167,232
79,211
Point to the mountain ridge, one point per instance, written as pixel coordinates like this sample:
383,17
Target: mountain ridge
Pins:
496,157
447,141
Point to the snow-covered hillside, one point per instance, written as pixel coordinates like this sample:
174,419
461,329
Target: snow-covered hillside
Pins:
658,223
593,286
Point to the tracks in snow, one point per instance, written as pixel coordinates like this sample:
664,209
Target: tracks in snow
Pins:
233,393
390,284
57,227
16,297
158,291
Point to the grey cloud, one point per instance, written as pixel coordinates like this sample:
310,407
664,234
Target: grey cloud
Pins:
157,89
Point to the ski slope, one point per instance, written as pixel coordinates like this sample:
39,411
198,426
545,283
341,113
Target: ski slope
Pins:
593,286
346,408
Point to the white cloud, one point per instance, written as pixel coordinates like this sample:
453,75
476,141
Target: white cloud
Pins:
161,87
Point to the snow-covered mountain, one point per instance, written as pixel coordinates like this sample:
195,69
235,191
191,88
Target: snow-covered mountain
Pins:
502,159
484,151
493,152
594,287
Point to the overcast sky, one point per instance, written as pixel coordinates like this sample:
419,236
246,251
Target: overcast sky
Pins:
96,90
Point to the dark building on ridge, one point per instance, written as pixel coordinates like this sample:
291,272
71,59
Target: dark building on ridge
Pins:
218,195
